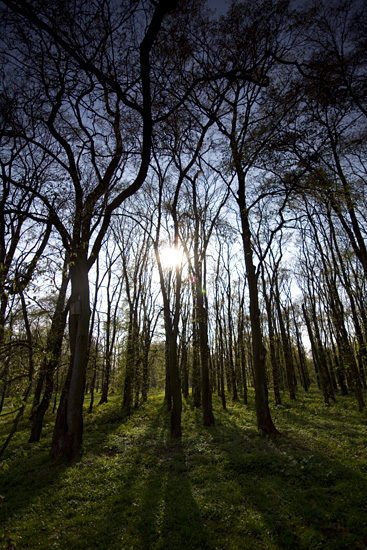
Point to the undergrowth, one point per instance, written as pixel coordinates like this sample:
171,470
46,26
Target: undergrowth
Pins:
225,487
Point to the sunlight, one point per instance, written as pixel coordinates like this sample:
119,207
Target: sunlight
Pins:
171,257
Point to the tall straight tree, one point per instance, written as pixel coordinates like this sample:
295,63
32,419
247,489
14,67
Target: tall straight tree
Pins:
252,41
171,284
200,209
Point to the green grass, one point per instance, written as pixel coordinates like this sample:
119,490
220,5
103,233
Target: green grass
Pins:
226,487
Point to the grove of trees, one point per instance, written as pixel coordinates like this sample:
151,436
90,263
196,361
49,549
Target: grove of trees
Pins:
183,206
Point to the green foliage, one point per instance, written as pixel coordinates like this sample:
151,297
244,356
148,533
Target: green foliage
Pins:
223,487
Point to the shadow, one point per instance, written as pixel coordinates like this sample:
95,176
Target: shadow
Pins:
155,508
295,496
27,472
177,519
21,486
223,487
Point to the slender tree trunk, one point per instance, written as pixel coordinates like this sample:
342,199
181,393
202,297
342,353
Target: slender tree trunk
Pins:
167,389
184,369
289,367
243,367
145,366
175,385
264,420
221,364
94,376
305,378
5,371
273,357
230,339
28,387
349,360
196,370
53,353
318,360
131,362
208,416
106,376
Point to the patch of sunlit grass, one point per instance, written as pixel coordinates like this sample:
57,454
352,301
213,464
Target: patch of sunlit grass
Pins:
226,486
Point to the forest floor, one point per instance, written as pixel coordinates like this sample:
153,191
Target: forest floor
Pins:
225,487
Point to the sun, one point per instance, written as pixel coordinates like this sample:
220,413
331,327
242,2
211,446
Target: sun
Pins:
171,257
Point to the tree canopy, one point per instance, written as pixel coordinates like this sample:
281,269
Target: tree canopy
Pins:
235,141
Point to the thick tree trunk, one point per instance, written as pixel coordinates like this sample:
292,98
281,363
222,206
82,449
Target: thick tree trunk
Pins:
68,431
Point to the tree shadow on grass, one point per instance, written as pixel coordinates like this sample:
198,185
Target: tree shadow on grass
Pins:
297,497
145,500
176,518
25,471
224,487
29,478
318,421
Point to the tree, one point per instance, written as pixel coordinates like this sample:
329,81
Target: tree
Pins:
171,311
113,296
206,210
52,354
329,79
91,94
242,127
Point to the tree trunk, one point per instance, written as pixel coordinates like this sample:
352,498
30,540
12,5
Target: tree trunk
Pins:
264,420
68,431
305,378
175,385
131,360
196,371
94,375
208,416
273,358
28,386
184,369
320,367
145,368
53,353
106,374
289,367
167,388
